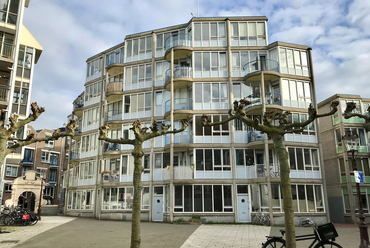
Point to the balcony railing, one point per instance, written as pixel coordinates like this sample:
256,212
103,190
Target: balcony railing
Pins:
261,65
185,137
54,162
178,40
114,59
114,115
78,104
75,154
270,98
7,50
180,72
179,103
4,91
115,86
110,147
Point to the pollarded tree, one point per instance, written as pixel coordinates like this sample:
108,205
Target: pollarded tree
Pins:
348,114
141,135
8,141
276,125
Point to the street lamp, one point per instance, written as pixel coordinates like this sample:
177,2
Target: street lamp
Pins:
42,175
351,142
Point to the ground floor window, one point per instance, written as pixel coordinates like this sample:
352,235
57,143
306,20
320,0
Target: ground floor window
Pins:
80,199
203,198
365,197
123,198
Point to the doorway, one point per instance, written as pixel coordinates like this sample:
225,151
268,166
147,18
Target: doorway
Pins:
27,200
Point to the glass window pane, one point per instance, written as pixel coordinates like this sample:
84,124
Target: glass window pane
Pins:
198,198
188,198
217,198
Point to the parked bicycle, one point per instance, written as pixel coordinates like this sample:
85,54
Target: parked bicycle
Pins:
18,216
323,236
261,219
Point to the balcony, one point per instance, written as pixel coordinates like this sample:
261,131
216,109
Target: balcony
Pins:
271,98
183,107
182,141
114,91
4,94
75,154
182,77
78,107
7,51
54,162
253,69
179,172
114,115
114,65
181,44
257,171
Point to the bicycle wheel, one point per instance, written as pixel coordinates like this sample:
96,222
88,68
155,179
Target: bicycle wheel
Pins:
9,220
327,244
274,243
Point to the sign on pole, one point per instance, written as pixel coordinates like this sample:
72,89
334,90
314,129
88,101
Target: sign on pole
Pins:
359,176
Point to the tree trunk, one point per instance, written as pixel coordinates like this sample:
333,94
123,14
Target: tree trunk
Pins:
286,190
136,209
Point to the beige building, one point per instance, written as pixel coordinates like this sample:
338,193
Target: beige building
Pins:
19,53
228,173
340,180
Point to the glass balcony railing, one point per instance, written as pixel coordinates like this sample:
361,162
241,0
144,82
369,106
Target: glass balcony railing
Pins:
270,98
110,147
114,115
78,104
179,103
178,40
180,72
115,86
261,65
114,59
4,91
185,137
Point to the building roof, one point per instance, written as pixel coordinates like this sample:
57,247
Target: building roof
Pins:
27,39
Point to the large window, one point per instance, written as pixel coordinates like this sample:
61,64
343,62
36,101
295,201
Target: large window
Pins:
365,197
94,67
210,64
293,62
160,98
81,199
138,49
203,198
296,93
218,130
114,111
12,170
248,34
211,96
115,57
212,159
91,117
304,159
92,91
123,198
137,77
209,34
137,105
87,170
89,143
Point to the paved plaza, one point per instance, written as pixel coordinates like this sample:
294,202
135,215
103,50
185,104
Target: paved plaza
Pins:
60,232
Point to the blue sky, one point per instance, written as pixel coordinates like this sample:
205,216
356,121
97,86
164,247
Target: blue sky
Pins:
72,31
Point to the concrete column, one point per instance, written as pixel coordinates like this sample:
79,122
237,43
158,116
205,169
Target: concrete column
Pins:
171,142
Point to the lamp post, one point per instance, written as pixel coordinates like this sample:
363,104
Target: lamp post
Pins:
352,144
42,175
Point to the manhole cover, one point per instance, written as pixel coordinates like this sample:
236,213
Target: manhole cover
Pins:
9,241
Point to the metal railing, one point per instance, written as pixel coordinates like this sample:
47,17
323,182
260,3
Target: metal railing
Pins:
179,72
178,40
261,65
270,98
4,91
7,50
114,115
185,137
75,154
78,104
115,86
179,103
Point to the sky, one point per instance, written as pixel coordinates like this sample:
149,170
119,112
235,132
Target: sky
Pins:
70,32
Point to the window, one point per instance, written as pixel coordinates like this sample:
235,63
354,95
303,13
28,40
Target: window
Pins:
11,170
94,67
89,143
248,34
137,105
8,187
304,159
24,169
91,117
296,93
204,198
146,163
161,160
28,156
123,198
82,199
49,143
93,91
208,34
53,175
139,48
114,111
211,96
45,156
160,72
115,57
127,166
137,77
41,172
220,130
160,99
293,62
210,64
212,159
87,170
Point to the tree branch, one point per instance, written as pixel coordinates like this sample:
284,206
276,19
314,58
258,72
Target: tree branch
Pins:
15,125
103,135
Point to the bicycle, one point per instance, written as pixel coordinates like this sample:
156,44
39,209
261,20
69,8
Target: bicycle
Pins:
323,236
262,219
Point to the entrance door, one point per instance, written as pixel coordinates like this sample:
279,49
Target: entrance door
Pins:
158,208
243,209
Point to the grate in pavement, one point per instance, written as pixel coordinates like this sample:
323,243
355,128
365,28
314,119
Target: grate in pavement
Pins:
9,241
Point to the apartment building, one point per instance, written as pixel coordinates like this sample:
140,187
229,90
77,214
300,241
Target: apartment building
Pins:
342,194
226,173
19,52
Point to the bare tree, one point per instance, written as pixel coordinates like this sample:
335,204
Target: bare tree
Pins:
8,141
275,125
348,114
141,135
